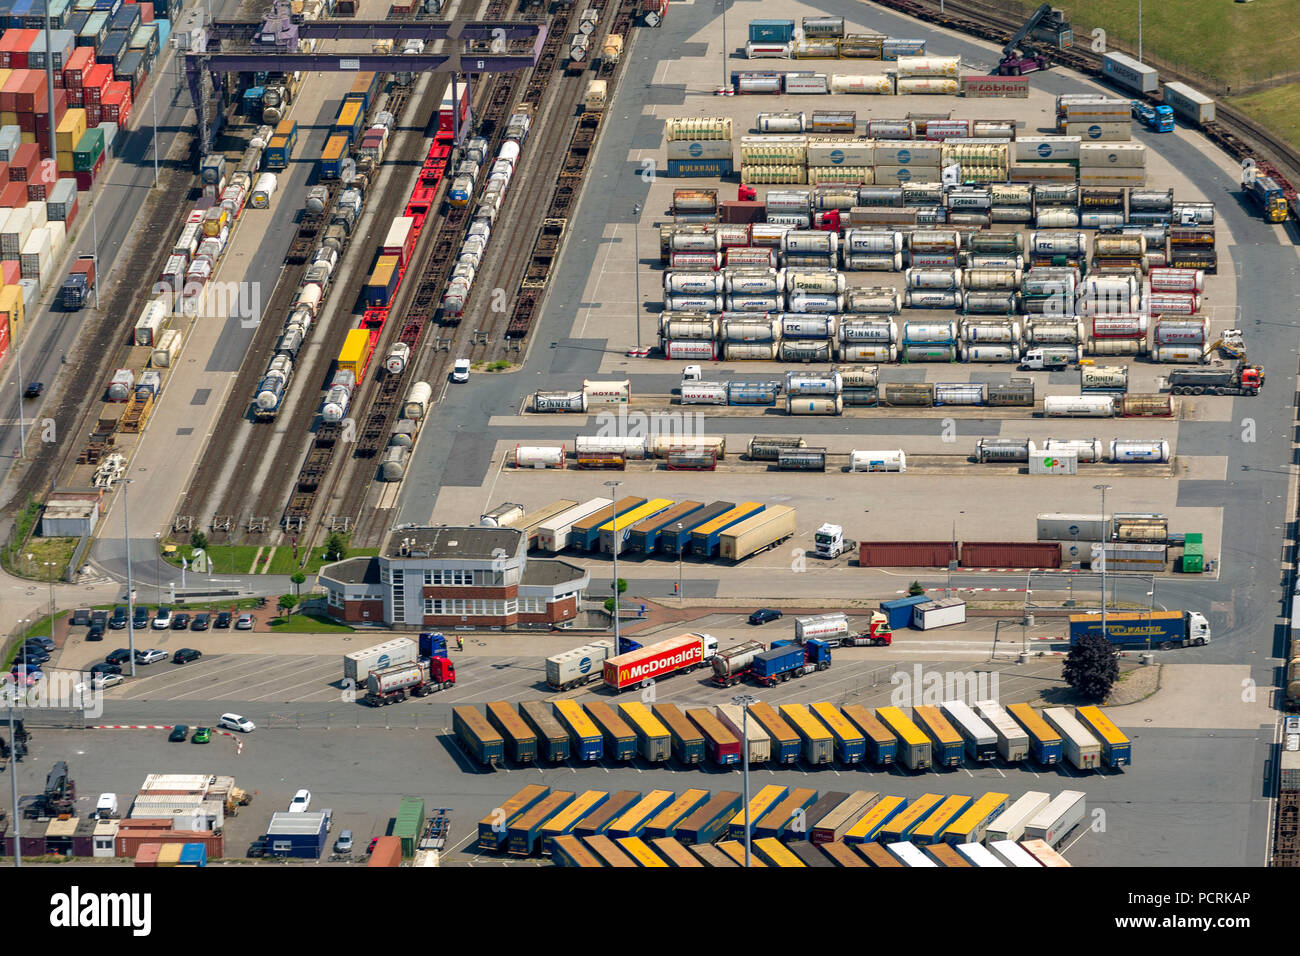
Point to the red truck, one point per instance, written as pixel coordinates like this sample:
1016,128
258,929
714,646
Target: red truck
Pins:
685,652
76,287
388,685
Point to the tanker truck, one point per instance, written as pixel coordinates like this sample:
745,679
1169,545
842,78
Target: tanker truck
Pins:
389,685
731,666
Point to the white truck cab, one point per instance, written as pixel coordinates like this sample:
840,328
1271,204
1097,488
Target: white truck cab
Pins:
692,373
1198,629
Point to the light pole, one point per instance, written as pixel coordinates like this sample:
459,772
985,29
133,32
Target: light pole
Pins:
613,488
1105,539
51,565
724,44
130,587
22,427
1151,611
743,701
13,776
636,271
1139,31
157,537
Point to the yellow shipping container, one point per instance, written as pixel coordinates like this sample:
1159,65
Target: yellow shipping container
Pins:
354,351
11,310
64,159
4,77
26,137
169,854
8,118
71,128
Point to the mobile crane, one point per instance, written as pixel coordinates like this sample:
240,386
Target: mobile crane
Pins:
1018,57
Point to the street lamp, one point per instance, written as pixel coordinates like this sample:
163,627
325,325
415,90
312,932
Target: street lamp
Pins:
157,537
1139,31
130,587
743,701
51,565
1105,539
613,488
636,271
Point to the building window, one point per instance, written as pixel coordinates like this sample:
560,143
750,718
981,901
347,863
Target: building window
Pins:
399,598
428,578
383,574
512,607
432,606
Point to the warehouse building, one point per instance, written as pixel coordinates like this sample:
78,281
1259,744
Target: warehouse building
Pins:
454,577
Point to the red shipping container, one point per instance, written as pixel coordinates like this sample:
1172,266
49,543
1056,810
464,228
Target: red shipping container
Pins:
11,270
27,122
19,42
74,72
1010,554
4,175
32,96
97,77
36,192
22,164
8,93
906,554
387,852
76,97
13,196
146,13
94,115
87,179
4,342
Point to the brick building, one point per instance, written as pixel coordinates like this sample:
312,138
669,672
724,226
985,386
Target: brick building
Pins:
449,577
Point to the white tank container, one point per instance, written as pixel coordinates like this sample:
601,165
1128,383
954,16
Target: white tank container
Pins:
874,263
873,301
930,332
753,303
1131,450
336,403
815,302
630,447
813,383
941,279
855,331
1181,331
797,326
1179,354
1073,245
1173,303
990,333
703,393
309,297
814,405
749,351
1177,280
1088,450
397,358
754,282
417,401
1079,406
868,461
867,83
539,456
868,353
931,299
1129,325
698,350
990,353
694,283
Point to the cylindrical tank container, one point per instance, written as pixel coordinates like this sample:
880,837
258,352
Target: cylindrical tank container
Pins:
269,392
927,84
989,280
1177,280
309,297
861,461
872,242
630,447
417,401
1014,263
990,333
764,329
1103,378
993,129
942,279
802,326
1146,405
998,243
1129,325
1088,450
1016,393
859,376
873,301
1173,303
539,456
936,242
814,405
928,66
1179,354
749,351
573,401
754,282
694,241
942,333
959,393
694,283
678,325
794,220
397,358
750,257
703,393
868,353
827,282
1100,219
813,383
1072,245
752,393
695,261
931,299
787,200
866,83
826,198
1200,213
694,303
1132,449
1120,247
1135,346
873,263
990,353
806,350
733,234
700,350
928,353
880,196
815,302
765,235
1079,406
810,242
1087,303
860,397
1181,331
1011,194
1039,282
1054,333
1011,214
1151,200
661,445
1057,217
970,200
782,122
991,303
1002,450
336,403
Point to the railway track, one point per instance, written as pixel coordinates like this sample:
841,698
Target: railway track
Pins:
1234,132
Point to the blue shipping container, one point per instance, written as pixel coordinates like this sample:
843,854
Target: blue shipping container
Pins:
194,854
778,660
899,611
771,31
699,168
164,30
707,545
894,47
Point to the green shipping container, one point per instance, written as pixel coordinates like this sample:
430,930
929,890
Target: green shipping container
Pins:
1193,553
88,150
410,822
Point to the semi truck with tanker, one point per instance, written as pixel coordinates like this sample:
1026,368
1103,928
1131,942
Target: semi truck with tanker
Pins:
834,630
1217,379
389,685
732,664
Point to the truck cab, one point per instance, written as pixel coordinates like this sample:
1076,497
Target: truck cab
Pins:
1159,119
830,542
1198,629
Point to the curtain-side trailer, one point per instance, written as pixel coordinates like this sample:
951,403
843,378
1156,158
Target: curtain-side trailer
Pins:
934,826
585,740
882,746
785,742
652,737
818,745
974,821
1012,854
493,828
832,827
620,739
1010,823
710,821
915,752
634,820
676,854
1044,742
909,854
1116,748
789,814
842,854
722,746
599,820
850,745
484,744
902,825
552,739
949,748
774,853
733,718
521,740
1058,818
979,855
522,834
665,822
1081,748
869,826
759,805
640,853
687,741
564,821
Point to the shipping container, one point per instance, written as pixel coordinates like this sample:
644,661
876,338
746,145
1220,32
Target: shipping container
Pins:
1116,748
472,729
818,742
785,744
905,554
585,740
620,739
520,739
850,744
882,745
721,745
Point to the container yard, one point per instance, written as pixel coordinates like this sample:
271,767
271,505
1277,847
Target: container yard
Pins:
417,334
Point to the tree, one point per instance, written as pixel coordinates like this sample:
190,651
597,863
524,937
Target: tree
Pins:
609,602
336,547
298,578
1092,667
199,540
287,603
915,589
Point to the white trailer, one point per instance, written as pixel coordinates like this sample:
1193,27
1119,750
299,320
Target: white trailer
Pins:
760,744
1013,854
553,534
1010,823
977,854
909,854
1078,746
981,740
358,665
831,628
1013,742
1058,818
941,613
582,665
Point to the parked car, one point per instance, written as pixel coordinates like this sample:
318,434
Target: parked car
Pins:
223,619
119,619
27,676
163,619
257,849
34,390
370,847
185,655
46,643
179,733
105,668
344,843
99,617
103,681
120,656
150,656
460,370
140,618
201,622
765,614
201,735
245,622
236,722
31,655
300,802
96,633
180,621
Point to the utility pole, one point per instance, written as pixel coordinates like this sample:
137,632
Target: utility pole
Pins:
743,701
613,488
130,586
636,271
1105,540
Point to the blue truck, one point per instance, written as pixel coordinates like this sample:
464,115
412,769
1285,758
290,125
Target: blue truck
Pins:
1162,629
1158,119
432,644
788,659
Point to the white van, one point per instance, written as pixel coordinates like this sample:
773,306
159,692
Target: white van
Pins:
1049,357
106,806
